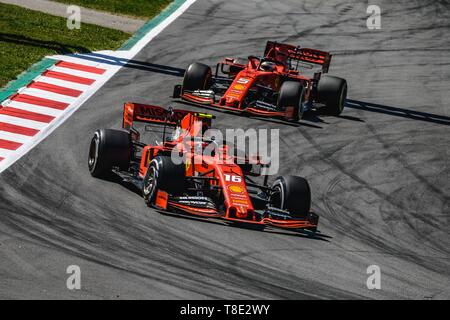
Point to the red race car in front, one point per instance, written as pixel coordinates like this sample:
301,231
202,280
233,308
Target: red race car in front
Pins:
212,185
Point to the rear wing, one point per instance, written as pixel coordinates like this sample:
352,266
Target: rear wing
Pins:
151,114
283,51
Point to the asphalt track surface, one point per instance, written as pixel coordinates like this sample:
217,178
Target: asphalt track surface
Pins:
379,174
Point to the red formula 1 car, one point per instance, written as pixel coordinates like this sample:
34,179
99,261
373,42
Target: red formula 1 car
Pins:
271,85
203,184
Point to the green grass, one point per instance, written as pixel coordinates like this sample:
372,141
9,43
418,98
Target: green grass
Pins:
135,8
27,36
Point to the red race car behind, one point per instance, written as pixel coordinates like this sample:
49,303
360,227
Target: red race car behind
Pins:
203,184
271,85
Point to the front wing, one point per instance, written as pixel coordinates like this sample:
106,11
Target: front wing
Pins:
164,202
288,114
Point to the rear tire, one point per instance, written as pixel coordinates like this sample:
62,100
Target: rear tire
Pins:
165,175
291,95
293,194
332,91
198,76
109,148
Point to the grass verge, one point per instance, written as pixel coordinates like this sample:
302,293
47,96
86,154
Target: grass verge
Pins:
27,36
136,8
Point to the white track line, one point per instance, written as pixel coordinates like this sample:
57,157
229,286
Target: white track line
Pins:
62,83
34,108
75,59
4,153
22,122
5,135
48,95
160,27
78,73
85,59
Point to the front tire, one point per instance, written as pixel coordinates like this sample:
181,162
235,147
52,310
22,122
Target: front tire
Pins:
291,95
332,91
165,175
198,76
109,148
292,194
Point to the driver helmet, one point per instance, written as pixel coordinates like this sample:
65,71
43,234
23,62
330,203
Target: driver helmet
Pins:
268,66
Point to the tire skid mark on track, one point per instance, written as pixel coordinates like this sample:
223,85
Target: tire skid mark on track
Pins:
360,232
401,159
414,219
241,264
